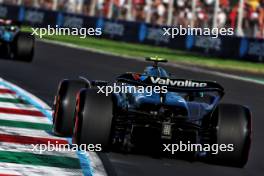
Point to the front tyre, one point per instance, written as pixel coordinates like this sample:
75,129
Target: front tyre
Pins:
232,125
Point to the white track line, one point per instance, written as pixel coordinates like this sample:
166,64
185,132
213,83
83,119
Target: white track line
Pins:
180,66
2,87
24,118
217,73
6,95
96,164
27,132
17,106
9,172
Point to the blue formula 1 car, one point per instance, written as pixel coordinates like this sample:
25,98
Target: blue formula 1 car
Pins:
14,43
151,110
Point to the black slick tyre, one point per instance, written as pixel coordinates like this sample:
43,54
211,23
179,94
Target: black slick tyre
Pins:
23,48
93,119
64,106
232,125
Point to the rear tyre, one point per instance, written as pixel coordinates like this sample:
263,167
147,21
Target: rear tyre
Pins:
93,119
233,126
64,106
24,47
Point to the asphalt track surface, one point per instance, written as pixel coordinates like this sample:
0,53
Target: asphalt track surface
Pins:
52,63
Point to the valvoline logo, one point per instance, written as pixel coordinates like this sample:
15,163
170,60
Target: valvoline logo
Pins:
138,77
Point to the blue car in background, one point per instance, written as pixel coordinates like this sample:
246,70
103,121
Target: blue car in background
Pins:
14,43
165,114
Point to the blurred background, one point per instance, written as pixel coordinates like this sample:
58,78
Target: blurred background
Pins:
246,17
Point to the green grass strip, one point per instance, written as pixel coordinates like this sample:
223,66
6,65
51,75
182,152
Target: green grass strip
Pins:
39,160
29,125
142,51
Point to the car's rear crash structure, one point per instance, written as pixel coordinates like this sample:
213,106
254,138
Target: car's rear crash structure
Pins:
189,111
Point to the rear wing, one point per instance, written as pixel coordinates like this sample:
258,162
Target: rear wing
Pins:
175,85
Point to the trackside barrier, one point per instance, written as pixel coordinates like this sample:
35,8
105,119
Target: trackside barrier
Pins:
244,49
